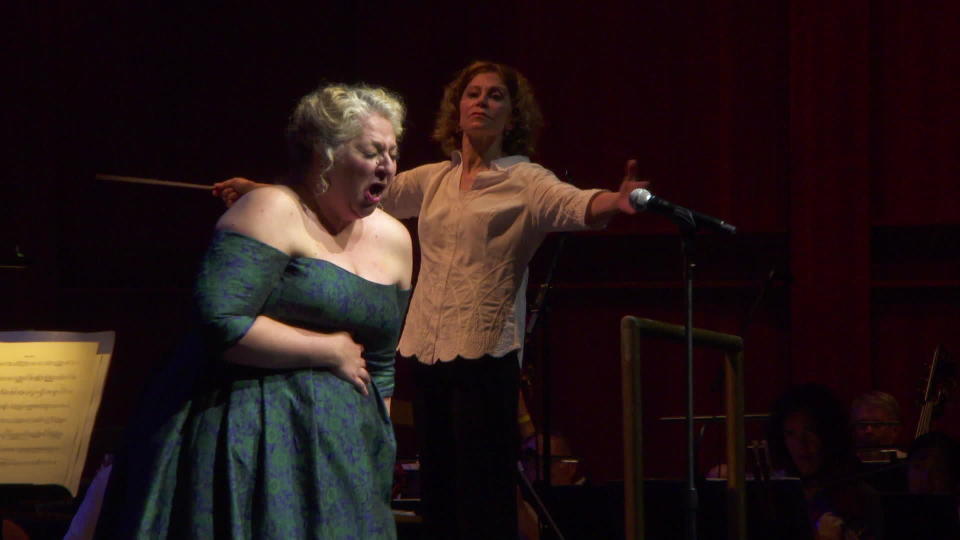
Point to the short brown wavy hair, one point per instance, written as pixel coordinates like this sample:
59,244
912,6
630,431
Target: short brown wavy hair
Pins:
527,120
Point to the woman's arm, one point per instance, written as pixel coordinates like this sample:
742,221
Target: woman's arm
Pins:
242,266
607,204
397,252
404,196
402,199
275,345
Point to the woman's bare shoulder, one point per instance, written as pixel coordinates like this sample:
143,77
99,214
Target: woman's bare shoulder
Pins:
390,228
392,237
267,214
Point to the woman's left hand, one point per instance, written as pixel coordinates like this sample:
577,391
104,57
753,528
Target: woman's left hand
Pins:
631,181
607,204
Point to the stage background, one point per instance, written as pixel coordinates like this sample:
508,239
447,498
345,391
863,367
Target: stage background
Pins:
826,131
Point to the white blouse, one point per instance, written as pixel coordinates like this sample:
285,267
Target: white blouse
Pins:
470,297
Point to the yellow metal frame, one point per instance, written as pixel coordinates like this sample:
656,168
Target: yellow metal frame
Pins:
632,332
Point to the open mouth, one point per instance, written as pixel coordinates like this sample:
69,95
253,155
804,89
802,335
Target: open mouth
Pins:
374,192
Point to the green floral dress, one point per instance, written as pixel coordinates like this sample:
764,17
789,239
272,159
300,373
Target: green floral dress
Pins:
223,451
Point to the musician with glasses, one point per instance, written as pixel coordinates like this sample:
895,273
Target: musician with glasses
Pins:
876,421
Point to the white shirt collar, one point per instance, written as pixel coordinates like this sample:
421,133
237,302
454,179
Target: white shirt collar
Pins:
499,164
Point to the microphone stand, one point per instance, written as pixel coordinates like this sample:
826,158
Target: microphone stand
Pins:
684,220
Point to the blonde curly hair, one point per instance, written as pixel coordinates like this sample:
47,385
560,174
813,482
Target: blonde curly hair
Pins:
331,115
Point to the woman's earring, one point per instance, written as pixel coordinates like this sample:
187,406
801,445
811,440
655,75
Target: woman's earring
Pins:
321,186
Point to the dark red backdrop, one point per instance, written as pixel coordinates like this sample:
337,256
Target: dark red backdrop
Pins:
826,131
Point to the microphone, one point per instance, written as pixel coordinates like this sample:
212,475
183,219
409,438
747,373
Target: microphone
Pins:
641,199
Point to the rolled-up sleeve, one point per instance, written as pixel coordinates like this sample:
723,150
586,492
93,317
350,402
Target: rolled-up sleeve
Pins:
556,205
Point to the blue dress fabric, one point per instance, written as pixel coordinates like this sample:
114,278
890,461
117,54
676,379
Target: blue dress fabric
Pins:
219,450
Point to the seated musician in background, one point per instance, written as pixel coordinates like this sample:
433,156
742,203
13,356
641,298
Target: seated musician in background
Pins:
808,437
933,469
933,465
875,417
875,422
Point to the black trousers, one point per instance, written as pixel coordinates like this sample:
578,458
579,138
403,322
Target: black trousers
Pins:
465,413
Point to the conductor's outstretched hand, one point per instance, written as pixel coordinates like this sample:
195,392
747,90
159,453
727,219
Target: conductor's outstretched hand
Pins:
631,181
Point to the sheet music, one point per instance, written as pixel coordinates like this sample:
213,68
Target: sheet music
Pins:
50,392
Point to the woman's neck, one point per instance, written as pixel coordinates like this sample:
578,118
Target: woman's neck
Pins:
322,210
478,152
